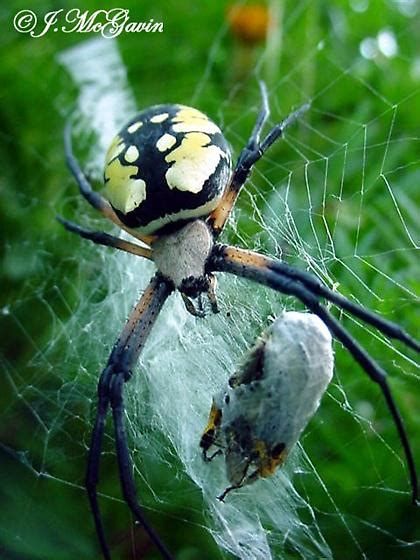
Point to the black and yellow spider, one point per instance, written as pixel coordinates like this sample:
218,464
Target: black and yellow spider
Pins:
169,183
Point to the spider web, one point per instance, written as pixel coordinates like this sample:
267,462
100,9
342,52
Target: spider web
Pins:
336,198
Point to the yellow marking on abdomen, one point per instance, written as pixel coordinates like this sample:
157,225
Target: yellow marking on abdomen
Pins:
131,154
188,119
194,161
165,142
135,126
122,191
159,118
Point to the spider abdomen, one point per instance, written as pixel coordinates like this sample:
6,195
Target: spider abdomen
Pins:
169,164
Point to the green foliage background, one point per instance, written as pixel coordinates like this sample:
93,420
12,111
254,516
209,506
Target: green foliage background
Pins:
43,518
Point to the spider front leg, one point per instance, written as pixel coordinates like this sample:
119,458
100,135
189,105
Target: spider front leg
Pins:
94,198
110,395
252,152
102,238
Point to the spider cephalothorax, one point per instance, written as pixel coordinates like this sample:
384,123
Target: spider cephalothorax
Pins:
182,257
168,183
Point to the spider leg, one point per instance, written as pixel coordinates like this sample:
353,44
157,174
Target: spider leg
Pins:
92,474
211,293
117,371
314,285
102,238
252,152
389,328
125,464
254,266
263,115
94,198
